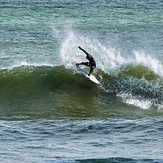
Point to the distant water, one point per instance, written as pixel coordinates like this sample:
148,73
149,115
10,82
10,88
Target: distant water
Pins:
50,113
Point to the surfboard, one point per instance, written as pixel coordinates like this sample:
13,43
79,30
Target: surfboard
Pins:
85,73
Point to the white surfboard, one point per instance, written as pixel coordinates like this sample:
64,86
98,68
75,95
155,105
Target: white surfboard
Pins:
85,73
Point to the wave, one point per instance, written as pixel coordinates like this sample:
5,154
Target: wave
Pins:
132,83
134,77
132,80
32,80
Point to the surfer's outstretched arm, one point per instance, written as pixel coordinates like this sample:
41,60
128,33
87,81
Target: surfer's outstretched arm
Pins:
83,50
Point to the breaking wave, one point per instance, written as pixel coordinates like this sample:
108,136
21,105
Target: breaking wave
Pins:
136,85
134,77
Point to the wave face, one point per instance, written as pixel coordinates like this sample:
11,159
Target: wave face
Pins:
62,92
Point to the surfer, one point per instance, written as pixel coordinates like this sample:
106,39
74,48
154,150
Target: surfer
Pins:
91,63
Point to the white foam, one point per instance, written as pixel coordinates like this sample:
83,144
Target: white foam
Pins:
107,58
152,63
135,101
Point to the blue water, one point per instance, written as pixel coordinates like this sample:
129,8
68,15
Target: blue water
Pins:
50,113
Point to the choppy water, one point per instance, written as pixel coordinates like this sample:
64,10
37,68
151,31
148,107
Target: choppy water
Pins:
51,113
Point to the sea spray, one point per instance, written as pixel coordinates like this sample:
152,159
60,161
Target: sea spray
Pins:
107,58
152,63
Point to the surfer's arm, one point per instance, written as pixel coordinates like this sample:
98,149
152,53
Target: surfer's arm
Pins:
84,51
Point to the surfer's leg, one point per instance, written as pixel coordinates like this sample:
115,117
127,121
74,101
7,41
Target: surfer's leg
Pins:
92,67
91,70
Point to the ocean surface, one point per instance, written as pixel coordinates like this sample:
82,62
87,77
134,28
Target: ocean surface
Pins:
50,113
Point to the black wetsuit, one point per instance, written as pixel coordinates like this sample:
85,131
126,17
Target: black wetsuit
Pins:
91,63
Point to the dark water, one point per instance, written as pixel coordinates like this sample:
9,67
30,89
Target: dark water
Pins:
51,113
104,140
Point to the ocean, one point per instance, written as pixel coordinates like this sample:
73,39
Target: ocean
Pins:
50,113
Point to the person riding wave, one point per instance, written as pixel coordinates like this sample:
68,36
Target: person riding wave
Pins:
91,63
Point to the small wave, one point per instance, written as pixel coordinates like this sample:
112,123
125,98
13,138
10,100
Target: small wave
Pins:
108,160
